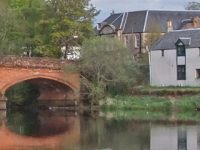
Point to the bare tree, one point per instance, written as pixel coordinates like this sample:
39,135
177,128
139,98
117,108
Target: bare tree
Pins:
192,6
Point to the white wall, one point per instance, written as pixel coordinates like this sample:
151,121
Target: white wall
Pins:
163,69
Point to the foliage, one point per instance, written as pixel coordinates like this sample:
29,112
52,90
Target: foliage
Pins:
107,66
151,38
62,21
22,94
42,27
192,6
11,30
23,122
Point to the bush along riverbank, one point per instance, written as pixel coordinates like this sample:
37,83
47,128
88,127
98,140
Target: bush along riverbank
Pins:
182,108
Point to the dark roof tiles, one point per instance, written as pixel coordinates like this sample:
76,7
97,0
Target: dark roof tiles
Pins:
149,20
135,22
190,37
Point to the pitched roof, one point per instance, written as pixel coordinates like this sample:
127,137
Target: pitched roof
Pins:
149,20
135,22
190,37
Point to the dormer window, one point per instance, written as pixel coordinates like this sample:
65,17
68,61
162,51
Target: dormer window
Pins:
180,50
180,47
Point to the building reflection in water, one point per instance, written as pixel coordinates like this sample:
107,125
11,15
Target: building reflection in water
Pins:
175,137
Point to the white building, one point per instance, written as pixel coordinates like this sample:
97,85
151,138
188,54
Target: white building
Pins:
175,59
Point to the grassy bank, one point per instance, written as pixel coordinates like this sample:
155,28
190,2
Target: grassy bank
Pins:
165,91
153,108
150,103
153,103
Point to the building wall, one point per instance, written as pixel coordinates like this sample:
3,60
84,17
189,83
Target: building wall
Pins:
129,42
163,69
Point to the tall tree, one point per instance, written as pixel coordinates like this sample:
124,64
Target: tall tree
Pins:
106,65
44,26
192,6
29,12
11,30
65,19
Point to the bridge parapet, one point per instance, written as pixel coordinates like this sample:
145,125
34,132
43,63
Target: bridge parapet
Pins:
32,62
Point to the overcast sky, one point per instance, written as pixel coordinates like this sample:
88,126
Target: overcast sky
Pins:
106,6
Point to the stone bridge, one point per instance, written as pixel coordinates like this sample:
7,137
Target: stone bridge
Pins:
54,82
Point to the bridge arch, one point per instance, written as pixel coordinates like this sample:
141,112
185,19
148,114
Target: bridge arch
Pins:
14,70
19,80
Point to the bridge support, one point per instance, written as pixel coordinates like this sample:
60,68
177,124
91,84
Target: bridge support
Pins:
59,104
3,101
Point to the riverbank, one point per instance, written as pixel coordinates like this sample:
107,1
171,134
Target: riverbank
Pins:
153,103
164,91
157,108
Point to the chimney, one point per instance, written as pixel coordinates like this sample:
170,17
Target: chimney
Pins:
196,22
169,26
112,13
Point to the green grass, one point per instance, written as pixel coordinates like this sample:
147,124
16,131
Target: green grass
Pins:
188,103
150,103
153,108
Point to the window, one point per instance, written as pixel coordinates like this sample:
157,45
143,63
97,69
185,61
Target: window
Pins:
197,73
137,40
181,72
180,50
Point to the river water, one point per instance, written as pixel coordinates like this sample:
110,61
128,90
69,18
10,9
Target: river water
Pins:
61,130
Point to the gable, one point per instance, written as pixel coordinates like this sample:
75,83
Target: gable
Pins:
108,29
179,43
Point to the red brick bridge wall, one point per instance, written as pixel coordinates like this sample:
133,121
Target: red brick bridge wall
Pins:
48,74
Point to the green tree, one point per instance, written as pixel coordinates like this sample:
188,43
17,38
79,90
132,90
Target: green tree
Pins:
192,6
11,30
107,66
29,12
155,34
44,26
64,19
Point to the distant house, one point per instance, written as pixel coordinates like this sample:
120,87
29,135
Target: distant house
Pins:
175,59
138,29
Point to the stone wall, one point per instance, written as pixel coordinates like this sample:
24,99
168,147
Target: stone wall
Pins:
32,62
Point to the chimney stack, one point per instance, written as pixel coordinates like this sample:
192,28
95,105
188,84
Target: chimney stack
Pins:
112,13
169,26
196,22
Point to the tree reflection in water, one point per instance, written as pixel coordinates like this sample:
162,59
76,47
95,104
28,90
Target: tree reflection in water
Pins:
66,131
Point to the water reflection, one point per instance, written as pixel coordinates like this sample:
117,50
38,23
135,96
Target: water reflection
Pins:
47,130
175,137
43,130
